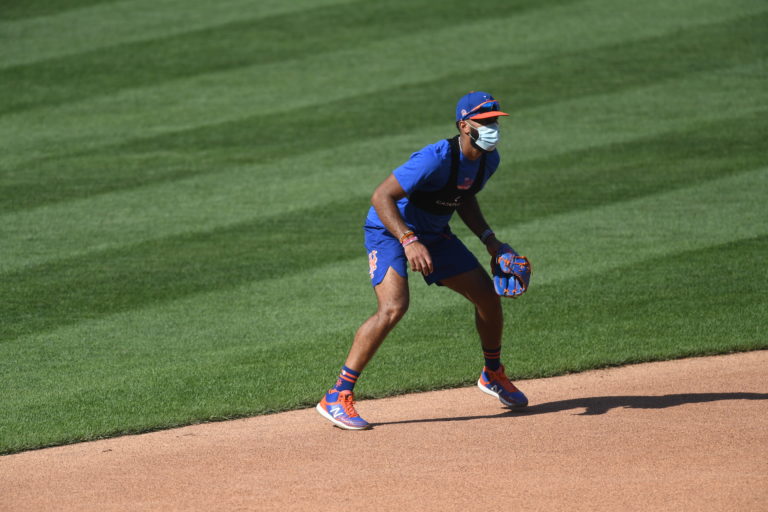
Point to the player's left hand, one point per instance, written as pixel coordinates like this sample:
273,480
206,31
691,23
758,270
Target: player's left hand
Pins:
511,272
504,257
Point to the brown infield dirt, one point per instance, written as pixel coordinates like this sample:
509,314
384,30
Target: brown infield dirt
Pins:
679,435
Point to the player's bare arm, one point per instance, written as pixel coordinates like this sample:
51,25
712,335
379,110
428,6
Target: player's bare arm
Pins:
384,200
472,216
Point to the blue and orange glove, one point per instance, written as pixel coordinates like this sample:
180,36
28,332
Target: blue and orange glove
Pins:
511,272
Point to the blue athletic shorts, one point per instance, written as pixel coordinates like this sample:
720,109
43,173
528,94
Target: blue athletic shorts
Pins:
450,257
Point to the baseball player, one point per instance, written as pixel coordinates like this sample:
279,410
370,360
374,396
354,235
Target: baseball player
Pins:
407,226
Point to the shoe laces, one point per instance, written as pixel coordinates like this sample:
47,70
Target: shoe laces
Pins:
501,377
348,402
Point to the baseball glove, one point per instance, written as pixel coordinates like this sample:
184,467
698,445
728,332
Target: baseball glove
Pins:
511,272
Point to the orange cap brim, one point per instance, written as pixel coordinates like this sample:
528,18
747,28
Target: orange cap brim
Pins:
486,115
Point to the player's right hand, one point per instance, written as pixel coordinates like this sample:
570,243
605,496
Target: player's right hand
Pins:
419,258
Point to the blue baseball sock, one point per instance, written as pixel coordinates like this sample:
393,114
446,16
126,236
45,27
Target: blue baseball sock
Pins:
347,379
492,359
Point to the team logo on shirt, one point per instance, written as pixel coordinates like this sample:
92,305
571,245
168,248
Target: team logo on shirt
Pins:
453,204
467,183
372,260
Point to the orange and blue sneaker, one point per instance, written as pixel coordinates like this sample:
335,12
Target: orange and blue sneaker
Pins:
338,407
496,383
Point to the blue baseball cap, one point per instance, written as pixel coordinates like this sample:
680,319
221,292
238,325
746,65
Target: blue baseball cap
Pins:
477,105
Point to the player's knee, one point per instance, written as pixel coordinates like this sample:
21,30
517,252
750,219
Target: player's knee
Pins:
392,312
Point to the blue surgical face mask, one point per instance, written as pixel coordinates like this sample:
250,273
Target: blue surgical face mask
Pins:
487,136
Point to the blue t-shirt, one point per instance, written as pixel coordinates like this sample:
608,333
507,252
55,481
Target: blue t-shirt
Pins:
429,169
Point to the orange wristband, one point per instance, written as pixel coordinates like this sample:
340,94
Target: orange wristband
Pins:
406,236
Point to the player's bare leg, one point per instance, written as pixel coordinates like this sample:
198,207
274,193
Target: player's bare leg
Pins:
477,287
338,405
393,298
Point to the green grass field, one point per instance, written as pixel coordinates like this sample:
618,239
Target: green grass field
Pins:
183,185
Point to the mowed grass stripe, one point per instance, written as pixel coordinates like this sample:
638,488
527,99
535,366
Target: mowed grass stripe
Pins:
655,309
679,304
622,171
205,202
110,23
12,11
606,237
105,282
304,82
586,161
331,291
96,383
615,118
586,74
579,75
241,43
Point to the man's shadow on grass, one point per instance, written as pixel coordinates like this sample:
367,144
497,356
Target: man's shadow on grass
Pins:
602,404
